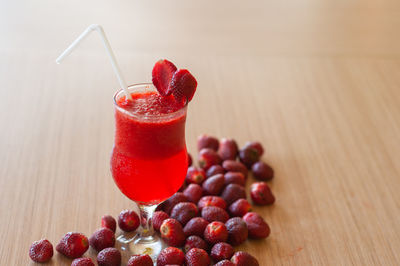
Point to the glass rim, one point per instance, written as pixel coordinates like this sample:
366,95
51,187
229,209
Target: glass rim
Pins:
145,116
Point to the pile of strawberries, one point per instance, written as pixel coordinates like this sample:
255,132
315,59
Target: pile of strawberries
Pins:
210,214
201,223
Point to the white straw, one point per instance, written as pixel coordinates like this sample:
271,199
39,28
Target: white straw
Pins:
106,43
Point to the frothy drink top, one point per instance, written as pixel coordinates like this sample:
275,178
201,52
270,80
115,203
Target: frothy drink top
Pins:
150,103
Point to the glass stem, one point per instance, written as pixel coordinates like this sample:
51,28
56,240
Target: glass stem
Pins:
146,214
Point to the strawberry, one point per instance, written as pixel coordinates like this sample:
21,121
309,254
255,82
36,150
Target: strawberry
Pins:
73,245
222,251
216,232
242,258
172,232
140,260
211,201
225,263
256,225
228,149
195,242
237,231
184,211
82,262
158,219
195,226
197,257
214,184
262,171
207,158
212,213
128,220
162,74
239,208
261,194
171,256
183,85
195,175
41,251
193,192
206,141
102,238
109,222
109,257
235,178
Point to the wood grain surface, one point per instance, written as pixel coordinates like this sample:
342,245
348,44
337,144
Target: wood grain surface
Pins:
317,82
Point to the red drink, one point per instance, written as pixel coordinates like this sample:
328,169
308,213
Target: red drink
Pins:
149,158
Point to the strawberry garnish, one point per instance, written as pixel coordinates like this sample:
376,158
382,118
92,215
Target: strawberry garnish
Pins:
183,85
162,73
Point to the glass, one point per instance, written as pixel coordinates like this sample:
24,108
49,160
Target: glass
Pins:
149,160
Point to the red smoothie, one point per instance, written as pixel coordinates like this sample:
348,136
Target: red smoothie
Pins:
149,157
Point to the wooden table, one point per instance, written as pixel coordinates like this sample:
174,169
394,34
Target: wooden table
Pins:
317,82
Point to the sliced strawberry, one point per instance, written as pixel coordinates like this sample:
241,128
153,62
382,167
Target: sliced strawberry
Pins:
183,85
162,74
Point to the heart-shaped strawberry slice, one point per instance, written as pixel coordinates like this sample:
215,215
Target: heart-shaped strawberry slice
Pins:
183,85
162,73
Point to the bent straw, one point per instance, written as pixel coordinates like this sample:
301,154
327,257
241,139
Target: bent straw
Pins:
106,43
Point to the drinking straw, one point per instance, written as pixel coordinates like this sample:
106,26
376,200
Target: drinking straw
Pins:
106,43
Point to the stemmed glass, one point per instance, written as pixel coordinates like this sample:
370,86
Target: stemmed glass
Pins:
149,159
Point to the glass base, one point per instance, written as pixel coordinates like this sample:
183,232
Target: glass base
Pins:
150,245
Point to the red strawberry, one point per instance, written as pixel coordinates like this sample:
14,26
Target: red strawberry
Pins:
262,171
162,74
215,232
258,228
41,251
82,262
214,185
232,193
221,251
206,141
235,178
172,232
228,149
212,213
211,201
214,170
235,166
248,156
193,192
255,145
195,175
225,263
197,257
101,239
158,219
242,258
128,220
239,207
184,211
173,200
237,231
195,242
73,245
140,260
183,85
109,222
261,194
207,158
195,226
171,256
109,257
